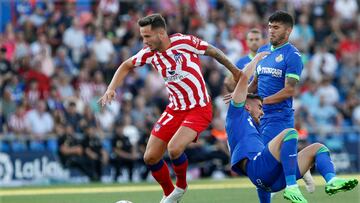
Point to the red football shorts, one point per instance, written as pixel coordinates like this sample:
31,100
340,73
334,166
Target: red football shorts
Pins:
170,121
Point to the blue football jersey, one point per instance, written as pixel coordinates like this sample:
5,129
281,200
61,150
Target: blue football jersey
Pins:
243,135
243,61
282,62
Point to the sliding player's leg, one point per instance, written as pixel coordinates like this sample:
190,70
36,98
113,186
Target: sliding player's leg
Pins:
319,155
284,149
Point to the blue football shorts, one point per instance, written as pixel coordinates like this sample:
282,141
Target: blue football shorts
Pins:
271,127
266,172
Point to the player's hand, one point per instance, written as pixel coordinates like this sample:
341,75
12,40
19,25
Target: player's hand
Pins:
261,55
107,97
227,98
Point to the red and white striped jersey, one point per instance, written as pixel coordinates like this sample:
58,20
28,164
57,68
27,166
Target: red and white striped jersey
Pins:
180,68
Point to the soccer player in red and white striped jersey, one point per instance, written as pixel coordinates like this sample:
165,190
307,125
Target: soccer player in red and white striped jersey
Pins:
176,58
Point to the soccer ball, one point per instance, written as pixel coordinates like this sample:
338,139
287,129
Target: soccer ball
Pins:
123,201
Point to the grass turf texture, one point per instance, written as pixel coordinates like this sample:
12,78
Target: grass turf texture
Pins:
200,191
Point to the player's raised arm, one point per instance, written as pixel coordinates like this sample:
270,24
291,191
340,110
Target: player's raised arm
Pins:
241,89
223,59
116,81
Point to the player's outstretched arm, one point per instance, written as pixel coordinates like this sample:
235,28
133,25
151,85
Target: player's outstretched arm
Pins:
241,89
223,59
116,81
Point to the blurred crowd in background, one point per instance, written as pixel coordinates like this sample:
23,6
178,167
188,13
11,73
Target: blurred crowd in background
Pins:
57,58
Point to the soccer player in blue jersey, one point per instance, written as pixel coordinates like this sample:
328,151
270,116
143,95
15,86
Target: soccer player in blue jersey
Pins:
277,76
254,39
275,81
277,165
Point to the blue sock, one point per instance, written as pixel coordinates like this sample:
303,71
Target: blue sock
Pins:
156,166
288,156
323,163
264,197
181,159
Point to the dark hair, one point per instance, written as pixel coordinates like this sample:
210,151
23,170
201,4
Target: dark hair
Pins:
155,20
282,17
254,96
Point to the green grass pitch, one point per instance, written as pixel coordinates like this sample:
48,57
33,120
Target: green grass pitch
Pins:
200,191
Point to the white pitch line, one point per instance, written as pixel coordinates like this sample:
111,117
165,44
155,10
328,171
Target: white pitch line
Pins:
232,184
73,190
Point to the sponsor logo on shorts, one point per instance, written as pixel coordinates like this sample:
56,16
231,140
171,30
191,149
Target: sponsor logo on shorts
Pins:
261,185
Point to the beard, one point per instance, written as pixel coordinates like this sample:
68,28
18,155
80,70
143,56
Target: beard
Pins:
254,48
256,119
278,40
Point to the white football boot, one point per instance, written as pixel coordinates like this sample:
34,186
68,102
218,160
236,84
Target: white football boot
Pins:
175,196
163,199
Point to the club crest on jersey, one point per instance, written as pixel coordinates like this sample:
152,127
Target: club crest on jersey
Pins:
157,127
178,58
279,58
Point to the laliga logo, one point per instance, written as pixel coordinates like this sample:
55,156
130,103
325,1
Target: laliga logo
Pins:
6,168
31,169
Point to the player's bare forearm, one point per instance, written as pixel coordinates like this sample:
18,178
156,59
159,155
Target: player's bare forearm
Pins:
120,74
116,81
240,92
223,59
229,83
241,89
278,97
250,67
285,93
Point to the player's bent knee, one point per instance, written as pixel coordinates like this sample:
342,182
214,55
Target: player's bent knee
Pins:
150,159
290,133
321,148
174,151
317,145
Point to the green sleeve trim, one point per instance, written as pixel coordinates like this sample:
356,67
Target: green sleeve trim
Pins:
251,56
272,48
237,105
290,75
